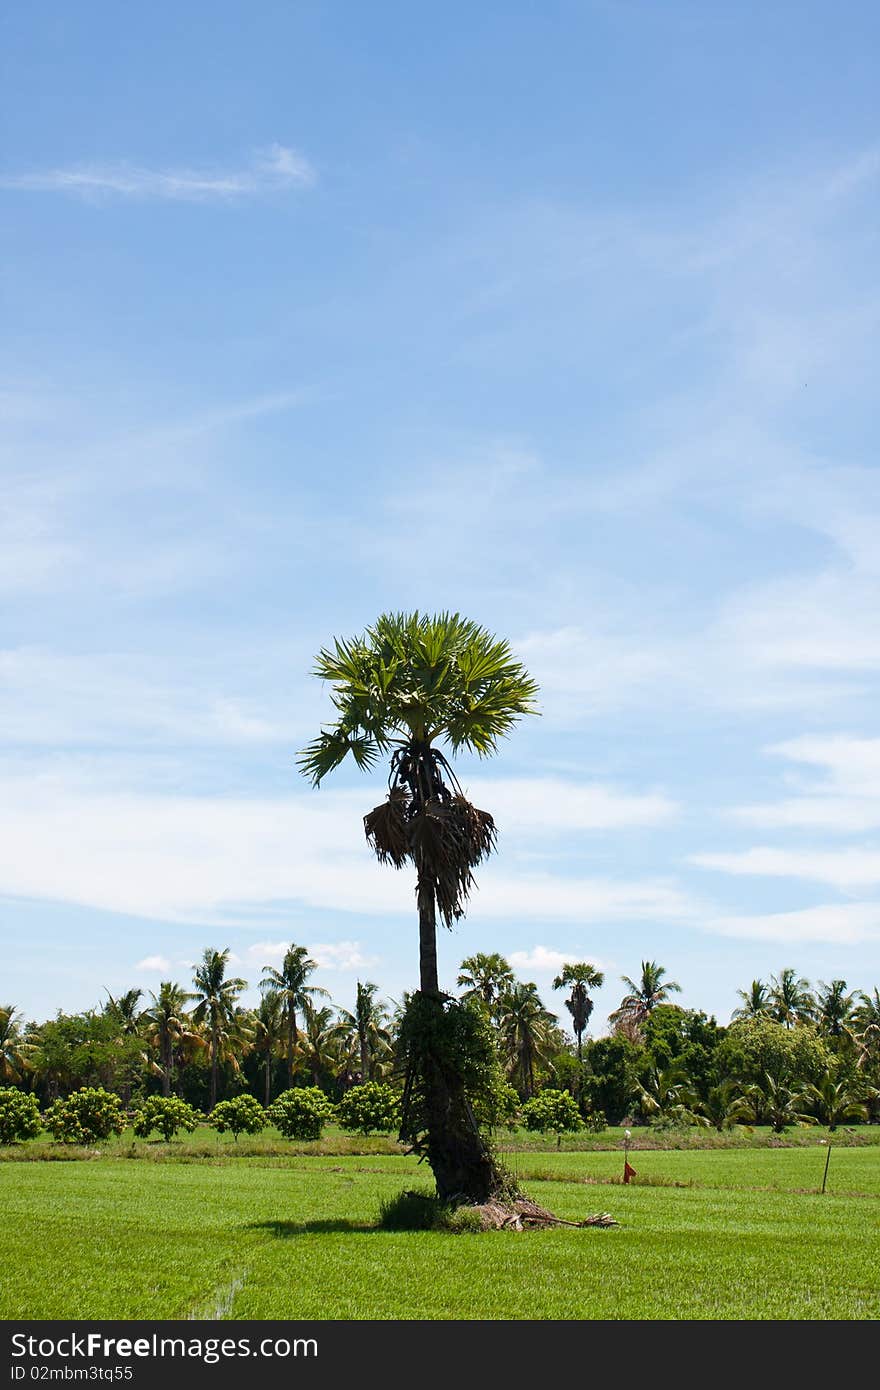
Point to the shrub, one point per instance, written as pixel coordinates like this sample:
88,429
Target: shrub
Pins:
241,1115
86,1115
552,1110
595,1121
412,1210
167,1114
370,1106
301,1112
19,1115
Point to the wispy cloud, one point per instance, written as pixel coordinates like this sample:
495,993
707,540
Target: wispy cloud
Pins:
224,859
846,869
151,963
845,800
546,960
271,170
838,924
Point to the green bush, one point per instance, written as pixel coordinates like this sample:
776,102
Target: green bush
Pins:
552,1110
167,1114
86,1115
416,1209
241,1115
19,1115
370,1106
301,1112
595,1121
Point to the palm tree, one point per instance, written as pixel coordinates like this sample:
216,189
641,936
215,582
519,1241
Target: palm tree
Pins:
790,998
268,1030
582,977
289,983
835,1009
485,977
526,1036
718,1105
668,1095
407,684
638,1005
835,1101
368,1023
168,1027
13,1048
756,1001
770,1102
318,1040
216,997
124,1012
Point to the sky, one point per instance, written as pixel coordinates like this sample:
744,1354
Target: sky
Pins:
565,317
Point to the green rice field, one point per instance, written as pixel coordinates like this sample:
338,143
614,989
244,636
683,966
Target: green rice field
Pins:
265,1232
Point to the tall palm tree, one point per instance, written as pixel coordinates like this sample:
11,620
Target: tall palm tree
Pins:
643,997
526,1034
290,984
124,1012
790,998
167,1027
268,1034
582,977
835,1009
369,1023
216,997
755,1001
835,1101
408,684
487,977
13,1047
318,1041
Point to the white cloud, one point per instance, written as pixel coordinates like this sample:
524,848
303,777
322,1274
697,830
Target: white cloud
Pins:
544,960
847,924
549,805
160,963
846,869
846,799
273,169
218,859
339,955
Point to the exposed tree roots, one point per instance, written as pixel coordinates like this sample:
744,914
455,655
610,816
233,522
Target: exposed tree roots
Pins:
520,1213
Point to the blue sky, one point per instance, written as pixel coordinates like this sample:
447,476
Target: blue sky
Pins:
565,317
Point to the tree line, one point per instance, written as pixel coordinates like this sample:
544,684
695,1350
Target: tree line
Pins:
791,1052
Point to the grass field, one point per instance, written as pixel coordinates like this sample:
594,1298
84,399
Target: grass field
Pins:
730,1233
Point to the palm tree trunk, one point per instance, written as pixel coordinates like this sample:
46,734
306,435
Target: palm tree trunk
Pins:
268,1079
365,1058
428,979
461,1161
291,1035
166,1065
214,1069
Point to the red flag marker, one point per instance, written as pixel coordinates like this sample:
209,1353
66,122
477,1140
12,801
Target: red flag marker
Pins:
628,1171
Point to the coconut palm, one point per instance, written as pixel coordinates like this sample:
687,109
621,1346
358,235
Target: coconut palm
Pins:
771,1102
124,1012
485,977
527,1034
833,1102
369,1024
835,1009
791,1000
268,1027
668,1095
317,1040
408,684
582,977
718,1104
215,997
755,1001
290,984
168,1028
14,1049
644,996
